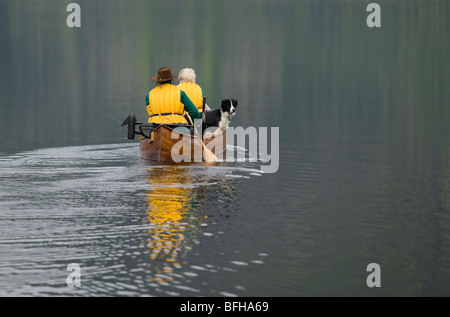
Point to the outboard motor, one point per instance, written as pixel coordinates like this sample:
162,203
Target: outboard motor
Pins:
131,122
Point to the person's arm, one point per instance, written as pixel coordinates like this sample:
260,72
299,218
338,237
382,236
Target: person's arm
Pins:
189,106
147,102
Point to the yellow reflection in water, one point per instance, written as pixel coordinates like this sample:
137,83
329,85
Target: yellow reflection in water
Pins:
168,204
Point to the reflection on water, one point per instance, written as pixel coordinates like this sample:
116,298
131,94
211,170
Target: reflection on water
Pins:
169,205
177,222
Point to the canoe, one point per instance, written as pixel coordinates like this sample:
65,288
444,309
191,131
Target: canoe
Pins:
166,144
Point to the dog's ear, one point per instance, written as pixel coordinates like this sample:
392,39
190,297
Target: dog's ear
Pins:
235,103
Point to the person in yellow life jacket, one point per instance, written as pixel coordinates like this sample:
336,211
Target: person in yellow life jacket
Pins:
187,83
166,103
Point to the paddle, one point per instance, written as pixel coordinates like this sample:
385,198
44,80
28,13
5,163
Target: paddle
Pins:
209,155
203,108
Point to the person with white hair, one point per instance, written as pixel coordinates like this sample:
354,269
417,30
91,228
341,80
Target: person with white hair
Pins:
187,84
167,103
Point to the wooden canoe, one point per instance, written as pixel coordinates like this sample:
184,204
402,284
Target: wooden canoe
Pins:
168,145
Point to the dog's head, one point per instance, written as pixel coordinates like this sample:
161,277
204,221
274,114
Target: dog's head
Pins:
229,106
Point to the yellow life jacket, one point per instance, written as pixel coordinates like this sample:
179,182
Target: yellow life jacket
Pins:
194,92
165,105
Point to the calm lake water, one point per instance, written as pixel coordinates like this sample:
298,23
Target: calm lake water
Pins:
364,150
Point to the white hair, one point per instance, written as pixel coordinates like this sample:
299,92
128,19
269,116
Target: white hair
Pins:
187,75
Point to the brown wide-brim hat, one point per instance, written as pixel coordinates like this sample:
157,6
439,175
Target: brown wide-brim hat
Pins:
164,74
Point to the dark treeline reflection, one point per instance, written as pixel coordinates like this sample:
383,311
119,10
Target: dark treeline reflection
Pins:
296,64
312,67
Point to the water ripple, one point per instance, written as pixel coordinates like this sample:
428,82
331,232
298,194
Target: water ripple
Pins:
134,228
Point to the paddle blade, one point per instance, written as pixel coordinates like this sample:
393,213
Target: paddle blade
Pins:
208,154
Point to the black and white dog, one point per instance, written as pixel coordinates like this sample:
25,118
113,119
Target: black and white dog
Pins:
220,117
